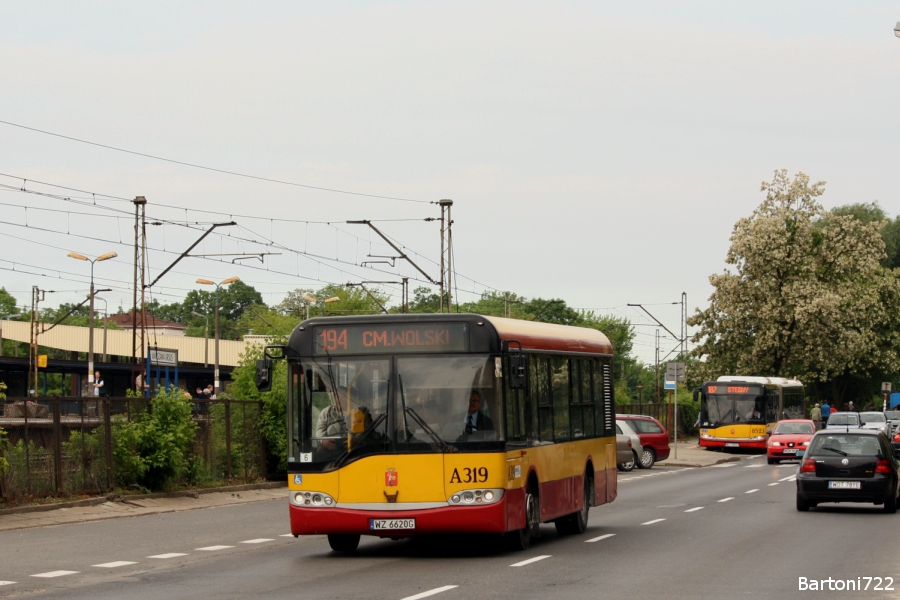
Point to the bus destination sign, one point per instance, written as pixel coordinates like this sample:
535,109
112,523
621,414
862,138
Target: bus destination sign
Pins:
731,389
379,339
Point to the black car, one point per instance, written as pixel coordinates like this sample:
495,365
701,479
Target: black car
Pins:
848,465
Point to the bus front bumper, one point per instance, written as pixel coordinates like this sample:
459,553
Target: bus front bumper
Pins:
491,518
714,442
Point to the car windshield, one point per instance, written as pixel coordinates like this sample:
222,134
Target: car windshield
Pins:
893,415
795,428
871,417
727,409
842,419
844,445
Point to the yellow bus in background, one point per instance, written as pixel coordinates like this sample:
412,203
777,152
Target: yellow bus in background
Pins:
740,411
405,425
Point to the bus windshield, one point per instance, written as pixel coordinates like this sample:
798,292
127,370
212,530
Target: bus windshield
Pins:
436,404
728,409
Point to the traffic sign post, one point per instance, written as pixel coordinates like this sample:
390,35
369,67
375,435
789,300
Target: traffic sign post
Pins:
886,392
675,372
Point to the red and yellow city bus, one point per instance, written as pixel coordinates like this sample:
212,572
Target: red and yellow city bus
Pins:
405,425
740,411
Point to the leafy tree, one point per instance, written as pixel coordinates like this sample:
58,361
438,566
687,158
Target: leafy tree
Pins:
808,297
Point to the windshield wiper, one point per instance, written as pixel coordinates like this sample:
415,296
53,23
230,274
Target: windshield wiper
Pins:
445,447
340,460
836,451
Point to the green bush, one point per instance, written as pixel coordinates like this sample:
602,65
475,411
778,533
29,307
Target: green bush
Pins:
4,464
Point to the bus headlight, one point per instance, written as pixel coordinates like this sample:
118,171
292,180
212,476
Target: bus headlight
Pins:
311,499
475,497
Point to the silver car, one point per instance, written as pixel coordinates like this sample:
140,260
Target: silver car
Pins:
876,421
636,448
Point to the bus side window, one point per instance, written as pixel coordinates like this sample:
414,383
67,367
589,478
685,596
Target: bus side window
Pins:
517,412
559,377
539,375
585,399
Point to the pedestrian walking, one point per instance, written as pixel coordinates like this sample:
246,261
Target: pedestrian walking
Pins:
826,411
816,415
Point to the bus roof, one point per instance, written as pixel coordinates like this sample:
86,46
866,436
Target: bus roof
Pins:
488,334
780,381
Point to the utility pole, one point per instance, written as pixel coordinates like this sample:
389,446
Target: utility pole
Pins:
446,254
405,296
657,367
37,296
140,203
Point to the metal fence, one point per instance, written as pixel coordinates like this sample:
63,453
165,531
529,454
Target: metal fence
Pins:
78,445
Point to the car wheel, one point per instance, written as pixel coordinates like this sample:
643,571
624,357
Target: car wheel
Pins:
343,543
629,466
890,504
773,461
648,458
802,505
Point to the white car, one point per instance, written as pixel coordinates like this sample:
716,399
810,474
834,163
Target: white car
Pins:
875,420
636,448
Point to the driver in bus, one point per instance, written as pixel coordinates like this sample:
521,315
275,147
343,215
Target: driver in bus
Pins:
475,419
754,414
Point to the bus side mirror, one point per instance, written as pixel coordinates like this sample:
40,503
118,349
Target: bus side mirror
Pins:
264,375
696,394
517,371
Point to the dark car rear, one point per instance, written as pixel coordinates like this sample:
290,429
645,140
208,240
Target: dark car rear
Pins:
851,465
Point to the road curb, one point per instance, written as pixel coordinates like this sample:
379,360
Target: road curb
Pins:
120,498
697,465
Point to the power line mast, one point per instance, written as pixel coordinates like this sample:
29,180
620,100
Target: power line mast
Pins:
138,338
446,254
37,296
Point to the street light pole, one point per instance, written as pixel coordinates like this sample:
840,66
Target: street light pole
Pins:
216,366
100,258
105,322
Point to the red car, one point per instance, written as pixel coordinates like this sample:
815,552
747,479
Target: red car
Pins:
654,438
789,436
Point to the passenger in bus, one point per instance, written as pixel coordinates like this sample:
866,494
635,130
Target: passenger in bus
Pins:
330,424
476,420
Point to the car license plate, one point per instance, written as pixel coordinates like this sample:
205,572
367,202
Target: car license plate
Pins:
381,524
731,445
791,451
844,485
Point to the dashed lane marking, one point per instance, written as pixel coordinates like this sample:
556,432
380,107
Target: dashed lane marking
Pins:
724,465
786,478
598,538
653,521
257,541
751,491
113,565
213,548
771,484
753,466
7,582
51,574
169,555
530,560
286,535
793,466
695,509
726,499
792,478
431,592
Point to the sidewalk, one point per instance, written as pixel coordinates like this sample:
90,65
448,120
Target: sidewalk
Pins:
134,506
692,455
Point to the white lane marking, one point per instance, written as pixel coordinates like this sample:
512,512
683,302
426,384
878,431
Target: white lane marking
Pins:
752,457
113,565
695,509
431,592
653,521
771,484
786,478
286,535
169,555
50,574
787,466
7,582
598,538
726,499
752,466
751,491
257,541
213,548
724,466
530,560
792,478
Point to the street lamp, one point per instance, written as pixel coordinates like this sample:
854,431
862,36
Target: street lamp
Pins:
320,303
100,258
205,337
897,29
105,323
218,285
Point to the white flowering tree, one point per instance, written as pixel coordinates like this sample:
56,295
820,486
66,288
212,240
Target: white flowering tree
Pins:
806,295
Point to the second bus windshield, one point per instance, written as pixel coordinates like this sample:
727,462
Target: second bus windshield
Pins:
728,409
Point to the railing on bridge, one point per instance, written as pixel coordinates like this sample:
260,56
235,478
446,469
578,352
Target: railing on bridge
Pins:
78,445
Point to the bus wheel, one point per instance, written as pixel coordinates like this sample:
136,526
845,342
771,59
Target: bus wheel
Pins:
521,539
343,543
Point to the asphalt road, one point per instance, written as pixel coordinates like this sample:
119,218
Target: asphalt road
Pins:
729,531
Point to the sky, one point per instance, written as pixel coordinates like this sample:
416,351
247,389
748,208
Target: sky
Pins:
598,152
